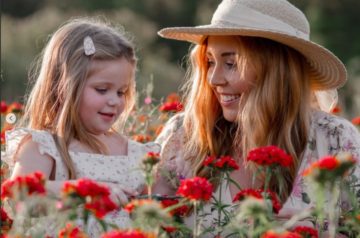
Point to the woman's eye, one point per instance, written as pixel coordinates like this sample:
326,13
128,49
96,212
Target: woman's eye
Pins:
230,65
210,63
101,90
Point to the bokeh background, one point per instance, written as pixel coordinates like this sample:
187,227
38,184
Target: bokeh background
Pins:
26,25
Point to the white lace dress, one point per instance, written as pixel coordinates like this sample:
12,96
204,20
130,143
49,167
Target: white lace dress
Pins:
328,135
122,169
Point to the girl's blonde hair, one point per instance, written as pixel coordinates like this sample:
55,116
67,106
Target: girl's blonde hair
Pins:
61,73
276,109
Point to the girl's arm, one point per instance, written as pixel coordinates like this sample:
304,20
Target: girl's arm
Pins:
28,159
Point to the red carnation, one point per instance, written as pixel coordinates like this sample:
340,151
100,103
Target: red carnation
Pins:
356,121
196,188
101,206
247,193
32,184
96,197
171,107
4,107
269,155
6,221
126,234
272,234
180,211
151,158
71,231
135,203
209,160
15,107
226,162
258,193
306,232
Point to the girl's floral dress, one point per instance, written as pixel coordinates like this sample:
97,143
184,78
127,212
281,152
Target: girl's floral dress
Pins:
122,169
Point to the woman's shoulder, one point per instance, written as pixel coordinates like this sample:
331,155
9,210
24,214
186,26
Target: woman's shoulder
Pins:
333,134
332,124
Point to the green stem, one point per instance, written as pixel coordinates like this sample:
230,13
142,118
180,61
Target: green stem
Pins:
219,202
195,232
332,210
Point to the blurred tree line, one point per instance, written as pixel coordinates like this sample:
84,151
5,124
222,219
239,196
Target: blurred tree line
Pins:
26,25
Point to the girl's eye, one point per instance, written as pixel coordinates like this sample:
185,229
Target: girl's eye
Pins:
121,93
101,90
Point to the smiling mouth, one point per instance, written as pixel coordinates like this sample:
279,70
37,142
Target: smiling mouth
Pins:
229,98
109,115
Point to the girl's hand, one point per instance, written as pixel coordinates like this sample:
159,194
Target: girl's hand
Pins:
119,193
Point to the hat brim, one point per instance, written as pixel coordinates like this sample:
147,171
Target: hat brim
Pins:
327,71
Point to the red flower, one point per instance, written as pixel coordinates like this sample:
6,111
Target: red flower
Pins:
151,158
226,162
135,203
96,196
141,138
247,193
259,194
196,188
127,234
180,211
306,232
356,121
15,107
326,163
272,234
2,137
209,161
171,107
222,163
336,110
32,183
269,155
4,107
86,187
101,206
173,97
71,232
169,229
6,221
330,168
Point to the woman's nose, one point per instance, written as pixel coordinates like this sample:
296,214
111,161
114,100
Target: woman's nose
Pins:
216,77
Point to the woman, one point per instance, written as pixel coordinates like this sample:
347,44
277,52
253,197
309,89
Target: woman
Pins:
255,80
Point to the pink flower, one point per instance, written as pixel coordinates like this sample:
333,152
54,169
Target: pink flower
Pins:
148,100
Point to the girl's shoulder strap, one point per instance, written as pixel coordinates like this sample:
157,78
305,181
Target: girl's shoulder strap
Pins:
14,138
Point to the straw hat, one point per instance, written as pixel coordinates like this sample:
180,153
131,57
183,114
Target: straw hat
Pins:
277,20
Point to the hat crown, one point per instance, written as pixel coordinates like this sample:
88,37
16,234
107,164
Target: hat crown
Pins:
278,15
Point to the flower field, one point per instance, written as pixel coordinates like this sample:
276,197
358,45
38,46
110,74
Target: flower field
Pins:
27,207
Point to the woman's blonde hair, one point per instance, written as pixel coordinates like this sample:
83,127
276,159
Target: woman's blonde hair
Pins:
61,73
275,112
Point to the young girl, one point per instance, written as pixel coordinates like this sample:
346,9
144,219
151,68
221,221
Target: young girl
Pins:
82,96
254,74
